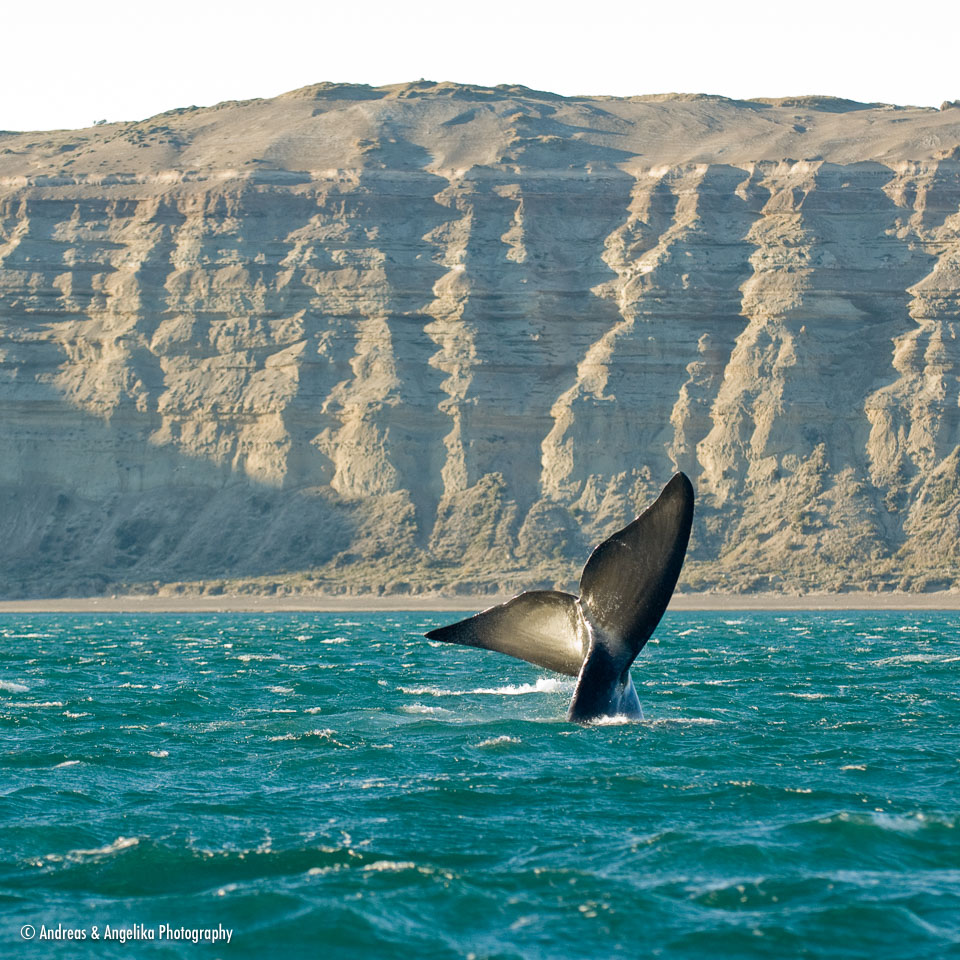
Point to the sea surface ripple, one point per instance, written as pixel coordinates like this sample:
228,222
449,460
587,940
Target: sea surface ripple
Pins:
338,786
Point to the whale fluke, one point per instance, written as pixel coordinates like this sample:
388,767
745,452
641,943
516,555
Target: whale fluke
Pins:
539,626
624,590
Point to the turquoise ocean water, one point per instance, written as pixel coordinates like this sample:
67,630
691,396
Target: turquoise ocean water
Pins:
337,786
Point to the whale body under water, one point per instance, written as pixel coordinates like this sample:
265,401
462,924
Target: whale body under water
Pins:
624,590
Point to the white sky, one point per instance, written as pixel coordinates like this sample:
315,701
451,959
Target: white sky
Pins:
66,64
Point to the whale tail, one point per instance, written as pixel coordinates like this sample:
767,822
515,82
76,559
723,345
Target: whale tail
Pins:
624,590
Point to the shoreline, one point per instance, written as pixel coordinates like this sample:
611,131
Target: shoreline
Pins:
682,602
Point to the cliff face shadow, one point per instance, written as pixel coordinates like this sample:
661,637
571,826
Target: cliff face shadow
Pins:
93,505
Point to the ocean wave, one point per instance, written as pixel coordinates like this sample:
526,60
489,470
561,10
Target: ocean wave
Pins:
882,821
916,658
121,843
420,708
11,687
498,741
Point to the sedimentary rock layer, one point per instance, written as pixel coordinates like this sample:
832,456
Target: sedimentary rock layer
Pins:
440,336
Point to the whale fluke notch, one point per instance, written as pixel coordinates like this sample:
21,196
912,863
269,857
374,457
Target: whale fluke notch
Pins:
624,590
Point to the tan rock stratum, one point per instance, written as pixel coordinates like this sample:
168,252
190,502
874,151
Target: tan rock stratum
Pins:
436,336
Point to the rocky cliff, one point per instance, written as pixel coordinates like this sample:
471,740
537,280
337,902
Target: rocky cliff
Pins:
440,336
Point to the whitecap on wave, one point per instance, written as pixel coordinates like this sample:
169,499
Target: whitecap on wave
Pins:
498,741
916,658
12,687
121,843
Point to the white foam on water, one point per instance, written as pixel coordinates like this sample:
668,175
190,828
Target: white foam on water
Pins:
74,716
48,703
421,708
391,865
900,823
280,689
498,741
159,753
543,685
336,640
805,696
690,683
916,658
12,687
314,710
66,763
121,843
320,734
682,722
